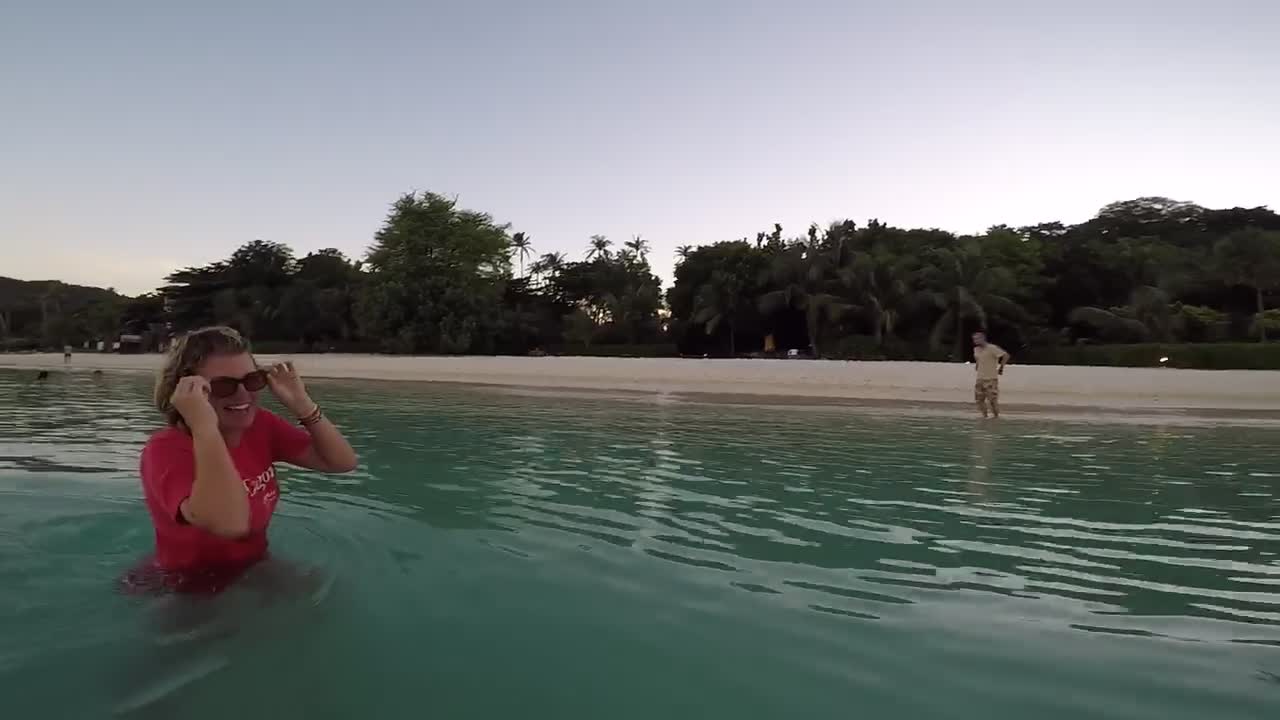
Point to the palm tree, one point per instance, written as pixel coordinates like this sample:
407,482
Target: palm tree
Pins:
548,264
802,271
683,251
1149,315
775,237
1251,258
721,301
624,308
599,249
878,283
639,246
1111,325
522,247
579,327
1153,307
52,320
965,288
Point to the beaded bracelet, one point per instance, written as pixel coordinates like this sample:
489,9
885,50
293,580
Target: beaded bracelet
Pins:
314,417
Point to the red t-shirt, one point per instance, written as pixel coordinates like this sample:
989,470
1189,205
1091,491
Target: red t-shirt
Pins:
168,469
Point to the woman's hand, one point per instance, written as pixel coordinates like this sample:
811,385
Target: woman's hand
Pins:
286,384
328,450
191,399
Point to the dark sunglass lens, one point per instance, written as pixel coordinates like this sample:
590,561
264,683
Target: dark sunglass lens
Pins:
223,387
255,381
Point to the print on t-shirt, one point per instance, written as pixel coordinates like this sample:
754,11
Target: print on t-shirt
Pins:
263,484
168,474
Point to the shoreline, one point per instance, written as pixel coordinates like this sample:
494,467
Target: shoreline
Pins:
929,387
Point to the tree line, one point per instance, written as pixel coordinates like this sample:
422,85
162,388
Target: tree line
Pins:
48,313
442,279
1145,270
437,279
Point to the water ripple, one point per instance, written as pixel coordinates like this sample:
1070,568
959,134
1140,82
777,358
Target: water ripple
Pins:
787,562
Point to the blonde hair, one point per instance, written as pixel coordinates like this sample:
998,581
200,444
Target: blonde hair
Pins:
186,354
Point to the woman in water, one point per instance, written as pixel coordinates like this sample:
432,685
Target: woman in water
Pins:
209,478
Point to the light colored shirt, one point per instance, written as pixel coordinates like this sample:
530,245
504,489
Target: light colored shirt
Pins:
988,358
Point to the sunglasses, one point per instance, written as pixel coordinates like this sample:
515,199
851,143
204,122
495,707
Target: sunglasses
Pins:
224,387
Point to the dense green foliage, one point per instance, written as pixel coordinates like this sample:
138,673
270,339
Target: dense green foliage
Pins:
1199,356
50,313
437,279
1147,270
1164,276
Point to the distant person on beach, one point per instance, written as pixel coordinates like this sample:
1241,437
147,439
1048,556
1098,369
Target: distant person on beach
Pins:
209,478
66,354
989,360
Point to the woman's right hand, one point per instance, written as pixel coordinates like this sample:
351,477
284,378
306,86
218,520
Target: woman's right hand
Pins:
191,399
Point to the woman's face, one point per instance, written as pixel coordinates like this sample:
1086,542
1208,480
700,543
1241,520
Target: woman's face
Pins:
235,412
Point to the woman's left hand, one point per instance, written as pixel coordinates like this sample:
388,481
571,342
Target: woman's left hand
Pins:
286,384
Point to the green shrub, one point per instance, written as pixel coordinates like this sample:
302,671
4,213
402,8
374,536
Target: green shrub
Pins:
1200,356
1269,319
597,350
293,347
19,345
1202,324
864,347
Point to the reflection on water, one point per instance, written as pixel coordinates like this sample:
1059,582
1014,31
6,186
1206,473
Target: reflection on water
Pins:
500,555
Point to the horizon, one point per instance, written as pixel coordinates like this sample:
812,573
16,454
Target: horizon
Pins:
181,134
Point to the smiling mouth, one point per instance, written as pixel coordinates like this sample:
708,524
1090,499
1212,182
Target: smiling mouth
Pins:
242,407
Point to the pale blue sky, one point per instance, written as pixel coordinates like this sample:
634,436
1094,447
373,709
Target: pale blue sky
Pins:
137,137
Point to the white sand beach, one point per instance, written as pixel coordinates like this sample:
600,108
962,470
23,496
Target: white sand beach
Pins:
1031,387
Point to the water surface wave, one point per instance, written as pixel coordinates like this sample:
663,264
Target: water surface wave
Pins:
499,554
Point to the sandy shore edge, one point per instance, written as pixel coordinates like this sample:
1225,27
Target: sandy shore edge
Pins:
1041,389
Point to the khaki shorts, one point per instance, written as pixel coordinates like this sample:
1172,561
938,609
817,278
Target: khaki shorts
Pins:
985,390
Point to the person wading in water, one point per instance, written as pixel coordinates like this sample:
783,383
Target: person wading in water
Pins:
989,360
209,478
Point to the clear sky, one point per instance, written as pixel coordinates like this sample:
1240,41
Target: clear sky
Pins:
137,137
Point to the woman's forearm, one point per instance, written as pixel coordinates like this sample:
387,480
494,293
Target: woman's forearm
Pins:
331,446
218,501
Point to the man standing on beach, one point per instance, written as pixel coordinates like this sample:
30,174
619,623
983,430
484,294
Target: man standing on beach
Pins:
989,359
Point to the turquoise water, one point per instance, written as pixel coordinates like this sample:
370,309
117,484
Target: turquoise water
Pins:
503,555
